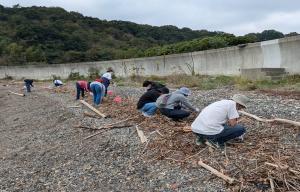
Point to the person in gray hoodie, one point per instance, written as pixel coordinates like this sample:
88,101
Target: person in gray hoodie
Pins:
175,104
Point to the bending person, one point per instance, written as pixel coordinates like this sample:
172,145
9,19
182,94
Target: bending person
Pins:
28,84
98,90
146,103
81,87
174,104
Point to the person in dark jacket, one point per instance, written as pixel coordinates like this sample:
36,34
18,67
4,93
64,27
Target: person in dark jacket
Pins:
28,84
146,103
152,85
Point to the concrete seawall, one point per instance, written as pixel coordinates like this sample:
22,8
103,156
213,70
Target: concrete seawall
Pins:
279,53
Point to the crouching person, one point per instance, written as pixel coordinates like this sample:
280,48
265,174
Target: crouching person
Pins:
98,90
146,103
81,87
171,105
57,83
217,123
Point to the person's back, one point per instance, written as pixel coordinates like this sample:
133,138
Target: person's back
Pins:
211,119
178,99
149,96
57,82
175,104
217,123
28,84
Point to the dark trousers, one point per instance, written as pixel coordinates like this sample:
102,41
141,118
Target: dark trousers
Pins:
175,114
106,83
227,134
28,87
79,90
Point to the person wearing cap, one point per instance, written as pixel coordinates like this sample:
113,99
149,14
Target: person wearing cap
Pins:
106,78
146,103
217,123
98,90
152,85
175,104
81,87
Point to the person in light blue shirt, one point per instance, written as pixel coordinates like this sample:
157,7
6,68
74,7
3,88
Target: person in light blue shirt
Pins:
98,90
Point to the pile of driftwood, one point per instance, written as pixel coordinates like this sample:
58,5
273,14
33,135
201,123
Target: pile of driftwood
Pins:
268,158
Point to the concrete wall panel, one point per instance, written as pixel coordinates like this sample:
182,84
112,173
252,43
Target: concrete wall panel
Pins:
282,53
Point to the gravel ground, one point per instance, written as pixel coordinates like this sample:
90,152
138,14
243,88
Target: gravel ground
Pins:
40,150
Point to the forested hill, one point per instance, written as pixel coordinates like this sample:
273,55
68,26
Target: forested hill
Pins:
31,35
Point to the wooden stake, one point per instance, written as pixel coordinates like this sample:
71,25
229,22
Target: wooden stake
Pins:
17,93
92,108
141,134
215,172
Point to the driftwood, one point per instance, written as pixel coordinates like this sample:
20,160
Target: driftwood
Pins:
284,167
141,134
216,172
74,106
288,121
272,185
187,129
92,108
104,129
90,115
109,126
271,120
17,93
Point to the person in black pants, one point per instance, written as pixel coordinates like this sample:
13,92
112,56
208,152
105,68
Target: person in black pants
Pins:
28,84
175,104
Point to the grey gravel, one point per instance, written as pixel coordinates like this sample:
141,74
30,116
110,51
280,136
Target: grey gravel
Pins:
40,150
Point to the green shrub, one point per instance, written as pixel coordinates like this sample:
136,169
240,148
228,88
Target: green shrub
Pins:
75,76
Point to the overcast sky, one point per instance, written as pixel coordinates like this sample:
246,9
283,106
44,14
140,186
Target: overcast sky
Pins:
232,16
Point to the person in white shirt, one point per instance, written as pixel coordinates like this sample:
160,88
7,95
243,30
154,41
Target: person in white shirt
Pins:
106,78
217,123
57,83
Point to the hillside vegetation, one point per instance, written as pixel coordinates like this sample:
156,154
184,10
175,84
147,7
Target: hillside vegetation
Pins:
30,35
